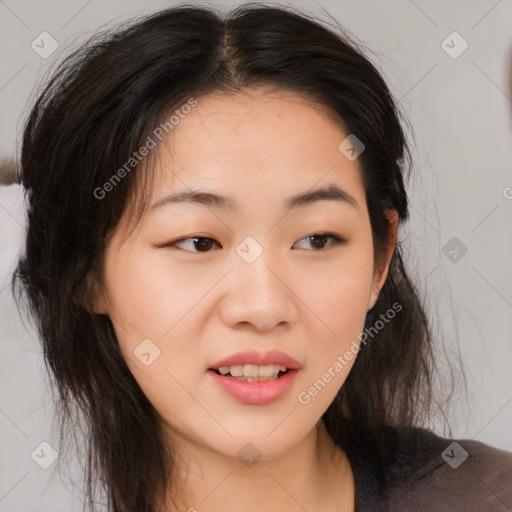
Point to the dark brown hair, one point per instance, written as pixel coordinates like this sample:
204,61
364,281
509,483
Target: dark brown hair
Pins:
100,105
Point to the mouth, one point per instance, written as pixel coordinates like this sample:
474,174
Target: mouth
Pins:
255,378
254,390
252,373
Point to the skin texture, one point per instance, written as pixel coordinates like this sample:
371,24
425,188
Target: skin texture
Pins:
306,300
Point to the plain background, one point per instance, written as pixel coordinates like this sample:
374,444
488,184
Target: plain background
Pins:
460,110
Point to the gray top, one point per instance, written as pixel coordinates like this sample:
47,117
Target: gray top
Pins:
422,472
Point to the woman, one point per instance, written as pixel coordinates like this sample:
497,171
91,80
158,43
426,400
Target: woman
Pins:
213,263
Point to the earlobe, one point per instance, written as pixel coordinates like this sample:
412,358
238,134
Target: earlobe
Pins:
91,297
98,305
381,273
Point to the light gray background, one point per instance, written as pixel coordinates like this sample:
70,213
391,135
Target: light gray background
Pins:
460,110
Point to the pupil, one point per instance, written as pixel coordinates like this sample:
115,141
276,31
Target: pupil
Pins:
205,243
317,245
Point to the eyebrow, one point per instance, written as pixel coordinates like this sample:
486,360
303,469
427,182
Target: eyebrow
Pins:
329,193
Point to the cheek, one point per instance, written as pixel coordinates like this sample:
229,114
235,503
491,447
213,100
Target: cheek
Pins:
152,314
339,300
146,298
338,293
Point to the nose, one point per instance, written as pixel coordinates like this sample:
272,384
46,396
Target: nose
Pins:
258,295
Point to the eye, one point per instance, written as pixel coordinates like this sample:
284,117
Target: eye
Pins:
204,244
319,240
201,243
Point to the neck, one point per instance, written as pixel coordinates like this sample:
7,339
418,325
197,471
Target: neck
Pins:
314,475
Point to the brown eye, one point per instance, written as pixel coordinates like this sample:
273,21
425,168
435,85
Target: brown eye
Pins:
319,241
195,244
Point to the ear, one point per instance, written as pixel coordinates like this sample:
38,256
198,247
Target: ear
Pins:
381,271
90,296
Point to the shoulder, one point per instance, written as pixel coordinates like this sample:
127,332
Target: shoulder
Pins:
431,473
423,472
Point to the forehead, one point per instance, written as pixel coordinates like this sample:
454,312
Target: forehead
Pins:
256,141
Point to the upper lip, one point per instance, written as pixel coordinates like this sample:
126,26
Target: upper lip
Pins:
258,358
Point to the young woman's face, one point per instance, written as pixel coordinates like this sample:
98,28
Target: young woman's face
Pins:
199,282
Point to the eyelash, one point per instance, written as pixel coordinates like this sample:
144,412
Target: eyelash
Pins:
336,240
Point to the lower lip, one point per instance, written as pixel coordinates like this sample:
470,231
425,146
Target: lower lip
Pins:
256,393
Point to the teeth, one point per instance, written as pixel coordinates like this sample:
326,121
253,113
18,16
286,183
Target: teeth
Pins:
252,372
263,371
236,371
